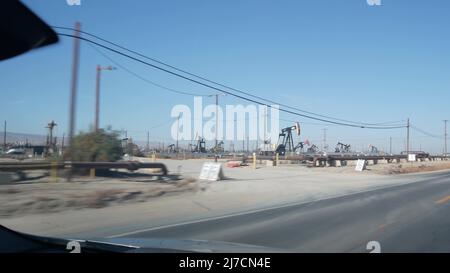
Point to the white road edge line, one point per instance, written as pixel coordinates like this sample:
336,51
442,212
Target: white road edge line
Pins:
257,210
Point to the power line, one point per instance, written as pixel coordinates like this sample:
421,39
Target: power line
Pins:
224,91
145,79
425,132
322,124
217,83
168,122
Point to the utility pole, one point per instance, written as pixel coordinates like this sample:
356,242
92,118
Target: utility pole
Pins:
148,141
247,143
390,145
324,139
50,143
97,97
97,93
62,144
4,137
265,128
178,129
407,137
73,90
217,120
445,137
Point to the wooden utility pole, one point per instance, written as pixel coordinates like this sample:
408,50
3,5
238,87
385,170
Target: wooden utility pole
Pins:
178,129
73,91
445,137
247,143
62,144
4,137
148,141
243,143
97,97
390,145
97,94
407,137
265,128
217,121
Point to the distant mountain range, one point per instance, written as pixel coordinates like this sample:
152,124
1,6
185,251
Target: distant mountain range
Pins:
33,139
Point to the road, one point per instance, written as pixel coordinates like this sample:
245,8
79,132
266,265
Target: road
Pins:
407,218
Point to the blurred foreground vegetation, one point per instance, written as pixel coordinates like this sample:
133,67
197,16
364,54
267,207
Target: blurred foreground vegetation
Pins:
101,145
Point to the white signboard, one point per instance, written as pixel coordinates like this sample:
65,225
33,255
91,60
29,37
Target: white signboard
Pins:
411,157
360,165
211,171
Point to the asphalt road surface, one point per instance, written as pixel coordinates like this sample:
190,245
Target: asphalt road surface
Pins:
407,218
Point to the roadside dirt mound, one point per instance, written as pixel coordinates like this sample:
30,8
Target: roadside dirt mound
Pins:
406,168
48,197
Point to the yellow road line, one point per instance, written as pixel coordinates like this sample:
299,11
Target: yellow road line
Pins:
443,200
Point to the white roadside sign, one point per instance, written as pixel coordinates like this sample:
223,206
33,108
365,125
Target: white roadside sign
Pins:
360,165
211,171
411,157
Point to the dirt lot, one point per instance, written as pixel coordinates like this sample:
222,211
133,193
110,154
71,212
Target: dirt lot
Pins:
41,194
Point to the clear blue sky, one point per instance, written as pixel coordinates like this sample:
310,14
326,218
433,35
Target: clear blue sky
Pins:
342,58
